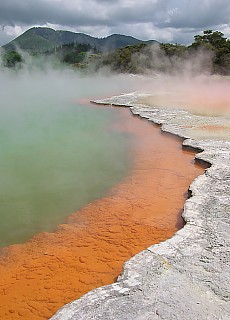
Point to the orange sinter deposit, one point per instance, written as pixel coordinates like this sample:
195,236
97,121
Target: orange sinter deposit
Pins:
52,269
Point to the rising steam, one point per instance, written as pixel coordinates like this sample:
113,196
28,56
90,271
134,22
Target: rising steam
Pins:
184,82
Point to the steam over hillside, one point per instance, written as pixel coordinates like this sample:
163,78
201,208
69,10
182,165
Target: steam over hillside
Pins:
180,76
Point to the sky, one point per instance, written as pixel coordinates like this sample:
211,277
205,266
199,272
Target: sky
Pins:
174,21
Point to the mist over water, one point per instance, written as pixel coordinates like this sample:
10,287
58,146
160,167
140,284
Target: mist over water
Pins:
56,154
200,94
186,82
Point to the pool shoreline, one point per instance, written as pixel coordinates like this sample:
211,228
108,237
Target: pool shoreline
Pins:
53,265
187,276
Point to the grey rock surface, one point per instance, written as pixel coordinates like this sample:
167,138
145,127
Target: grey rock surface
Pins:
188,276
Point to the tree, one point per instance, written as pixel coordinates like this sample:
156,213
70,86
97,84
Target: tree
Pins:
215,43
210,39
173,49
11,59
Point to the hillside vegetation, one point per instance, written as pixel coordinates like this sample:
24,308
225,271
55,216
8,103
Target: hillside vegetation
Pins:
39,40
209,53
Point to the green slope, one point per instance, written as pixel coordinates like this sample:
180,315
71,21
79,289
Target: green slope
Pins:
39,39
35,39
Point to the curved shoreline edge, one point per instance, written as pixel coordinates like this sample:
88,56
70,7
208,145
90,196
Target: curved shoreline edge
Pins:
187,276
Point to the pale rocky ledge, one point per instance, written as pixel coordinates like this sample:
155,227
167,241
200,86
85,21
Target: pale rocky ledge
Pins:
188,276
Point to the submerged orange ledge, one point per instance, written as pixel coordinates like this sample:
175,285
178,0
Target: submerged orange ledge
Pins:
52,269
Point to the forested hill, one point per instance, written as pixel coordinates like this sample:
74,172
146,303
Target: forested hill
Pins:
209,53
40,39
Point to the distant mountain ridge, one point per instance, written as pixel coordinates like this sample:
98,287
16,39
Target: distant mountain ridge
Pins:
40,39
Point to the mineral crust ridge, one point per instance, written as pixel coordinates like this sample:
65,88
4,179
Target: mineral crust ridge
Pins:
188,276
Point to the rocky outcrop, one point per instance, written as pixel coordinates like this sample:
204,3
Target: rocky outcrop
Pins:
188,276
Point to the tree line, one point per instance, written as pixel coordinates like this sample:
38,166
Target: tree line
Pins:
209,51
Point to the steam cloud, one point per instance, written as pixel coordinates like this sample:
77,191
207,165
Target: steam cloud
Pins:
34,94
185,82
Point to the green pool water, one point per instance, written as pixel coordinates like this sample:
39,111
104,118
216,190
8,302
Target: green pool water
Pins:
56,155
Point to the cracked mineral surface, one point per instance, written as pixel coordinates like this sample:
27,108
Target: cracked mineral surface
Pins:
187,276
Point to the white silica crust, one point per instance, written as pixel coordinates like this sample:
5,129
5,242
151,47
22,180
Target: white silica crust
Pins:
188,276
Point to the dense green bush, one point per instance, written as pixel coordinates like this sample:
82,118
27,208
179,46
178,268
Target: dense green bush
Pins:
11,59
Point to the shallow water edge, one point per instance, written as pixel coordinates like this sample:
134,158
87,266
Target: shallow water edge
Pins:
90,249
187,276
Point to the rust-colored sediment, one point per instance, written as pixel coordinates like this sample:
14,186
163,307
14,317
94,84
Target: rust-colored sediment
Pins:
40,276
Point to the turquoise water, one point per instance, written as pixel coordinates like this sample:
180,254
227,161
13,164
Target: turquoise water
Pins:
56,156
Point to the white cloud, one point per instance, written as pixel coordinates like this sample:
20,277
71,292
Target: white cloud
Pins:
163,20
